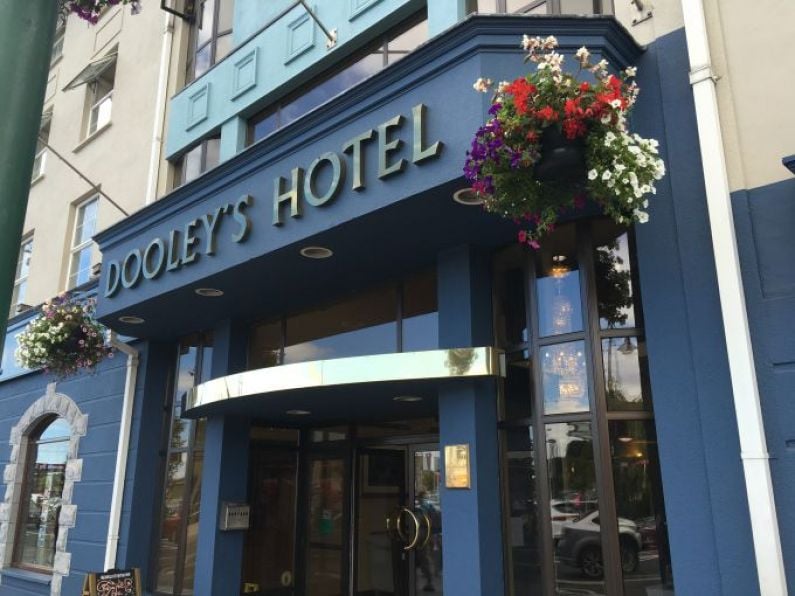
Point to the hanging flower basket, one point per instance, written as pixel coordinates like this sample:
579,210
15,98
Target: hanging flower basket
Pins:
64,339
553,141
90,10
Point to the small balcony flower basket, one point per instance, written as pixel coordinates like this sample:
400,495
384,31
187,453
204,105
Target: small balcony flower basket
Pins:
90,10
554,141
64,339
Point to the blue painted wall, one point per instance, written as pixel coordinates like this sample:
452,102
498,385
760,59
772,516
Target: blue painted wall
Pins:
766,247
705,500
99,396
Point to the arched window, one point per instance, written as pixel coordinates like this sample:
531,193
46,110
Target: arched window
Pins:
42,489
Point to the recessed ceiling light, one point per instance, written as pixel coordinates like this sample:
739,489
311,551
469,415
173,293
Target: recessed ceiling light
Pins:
298,412
559,259
407,398
209,292
131,320
625,439
316,252
467,196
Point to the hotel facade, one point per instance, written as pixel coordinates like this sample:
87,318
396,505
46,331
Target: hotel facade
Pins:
338,375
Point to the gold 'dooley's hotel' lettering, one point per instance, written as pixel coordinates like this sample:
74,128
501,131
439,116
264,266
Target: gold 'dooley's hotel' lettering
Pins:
186,244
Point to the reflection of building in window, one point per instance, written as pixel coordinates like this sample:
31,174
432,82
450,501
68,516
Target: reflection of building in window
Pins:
21,276
578,7
211,36
40,501
99,77
83,247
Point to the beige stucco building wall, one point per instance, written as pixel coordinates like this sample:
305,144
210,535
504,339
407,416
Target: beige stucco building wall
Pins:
117,157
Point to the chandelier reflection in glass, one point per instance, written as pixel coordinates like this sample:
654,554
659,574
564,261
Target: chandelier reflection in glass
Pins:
565,362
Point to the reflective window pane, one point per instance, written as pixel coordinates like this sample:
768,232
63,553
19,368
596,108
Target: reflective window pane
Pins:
226,15
420,316
613,278
407,41
363,324
573,503
205,22
524,531
192,164
171,527
203,61
517,403
192,531
643,533
564,378
625,367
326,522
265,345
511,314
558,285
40,504
577,7
223,45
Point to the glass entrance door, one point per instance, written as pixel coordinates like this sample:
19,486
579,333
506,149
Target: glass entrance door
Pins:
398,545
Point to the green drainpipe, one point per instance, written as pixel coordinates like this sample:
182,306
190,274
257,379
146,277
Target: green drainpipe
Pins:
26,34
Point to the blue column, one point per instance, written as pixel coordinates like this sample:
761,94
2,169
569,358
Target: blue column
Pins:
233,137
471,518
224,476
443,14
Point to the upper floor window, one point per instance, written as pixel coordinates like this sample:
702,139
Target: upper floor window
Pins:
386,50
82,245
546,6
202,157
41,145
40,501
57,44
21,276
99,77
211,36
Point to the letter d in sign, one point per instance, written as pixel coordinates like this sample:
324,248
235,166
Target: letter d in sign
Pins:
113,278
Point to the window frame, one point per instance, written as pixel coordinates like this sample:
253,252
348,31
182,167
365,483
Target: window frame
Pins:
180,171
212,42
200,342
19,279
58,40
600,7
379,45
75,247
598,416
31,449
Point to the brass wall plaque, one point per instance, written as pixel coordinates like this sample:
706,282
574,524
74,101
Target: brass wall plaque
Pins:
456,466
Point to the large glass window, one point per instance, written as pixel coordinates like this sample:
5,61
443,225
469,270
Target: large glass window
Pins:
21,276
83,247
389,318
573,7
386,50
40,160
583,498
40,501
183,457
211,36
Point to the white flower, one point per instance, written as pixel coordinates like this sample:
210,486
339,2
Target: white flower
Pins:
542,65
641,216
582,55
529,42
631,71
550,42
503,85
606,175
482,85
616,103
593,175
605,118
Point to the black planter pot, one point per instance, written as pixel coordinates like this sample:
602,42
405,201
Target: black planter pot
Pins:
562,160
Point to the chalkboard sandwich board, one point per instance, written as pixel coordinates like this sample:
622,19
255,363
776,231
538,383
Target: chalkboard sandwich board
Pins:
114,582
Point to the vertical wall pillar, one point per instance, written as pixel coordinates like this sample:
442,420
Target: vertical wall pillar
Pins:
233,137
443,14
224,476
471,518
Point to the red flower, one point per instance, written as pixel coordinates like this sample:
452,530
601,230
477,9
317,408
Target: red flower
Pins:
547,113
532,136
585,86
573,128
521,91
522,236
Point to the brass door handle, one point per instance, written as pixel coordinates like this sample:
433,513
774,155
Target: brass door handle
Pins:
427,519
413,544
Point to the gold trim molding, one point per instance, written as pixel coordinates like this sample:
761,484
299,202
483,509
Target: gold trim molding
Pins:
406,366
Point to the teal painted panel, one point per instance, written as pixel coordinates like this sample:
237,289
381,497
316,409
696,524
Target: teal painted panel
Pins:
272,61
